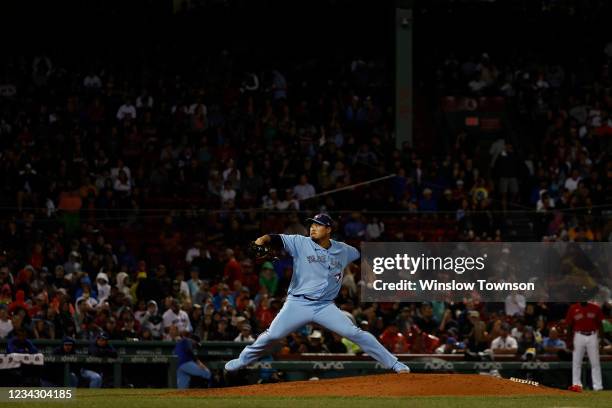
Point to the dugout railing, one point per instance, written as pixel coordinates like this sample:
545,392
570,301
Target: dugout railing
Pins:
140,355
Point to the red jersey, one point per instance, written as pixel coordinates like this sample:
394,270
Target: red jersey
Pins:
233,271
584,318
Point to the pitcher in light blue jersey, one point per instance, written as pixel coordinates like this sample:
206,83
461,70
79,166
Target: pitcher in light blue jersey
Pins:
318,265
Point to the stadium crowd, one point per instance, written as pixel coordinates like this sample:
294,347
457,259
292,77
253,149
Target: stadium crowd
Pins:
127,203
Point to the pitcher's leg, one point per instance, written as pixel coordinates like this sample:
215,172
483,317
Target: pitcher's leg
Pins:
333,319
292,316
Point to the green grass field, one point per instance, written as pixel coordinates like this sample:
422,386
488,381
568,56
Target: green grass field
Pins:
130,398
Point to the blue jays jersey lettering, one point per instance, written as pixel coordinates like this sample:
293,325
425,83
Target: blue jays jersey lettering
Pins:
317,272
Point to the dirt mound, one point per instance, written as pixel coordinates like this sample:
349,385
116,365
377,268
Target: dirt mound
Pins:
387,385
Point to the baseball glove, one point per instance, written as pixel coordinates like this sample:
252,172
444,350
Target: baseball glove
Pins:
259,252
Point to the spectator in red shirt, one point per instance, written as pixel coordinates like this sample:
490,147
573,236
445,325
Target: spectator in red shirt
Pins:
266,311
232,270
421,342
393,340
19,302
37,257
24,278
249,277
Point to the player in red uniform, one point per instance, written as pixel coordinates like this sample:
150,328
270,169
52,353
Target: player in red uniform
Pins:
585,320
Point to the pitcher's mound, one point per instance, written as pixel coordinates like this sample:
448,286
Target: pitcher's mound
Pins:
389,385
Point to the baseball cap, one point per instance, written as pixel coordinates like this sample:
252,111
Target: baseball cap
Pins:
530,352
322,219
68,340
267,265
316,334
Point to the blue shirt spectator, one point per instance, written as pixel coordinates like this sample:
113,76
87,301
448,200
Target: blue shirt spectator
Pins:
20,344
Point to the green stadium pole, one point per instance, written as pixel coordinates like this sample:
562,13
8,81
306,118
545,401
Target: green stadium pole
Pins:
117,379
172,372
403,74
66,374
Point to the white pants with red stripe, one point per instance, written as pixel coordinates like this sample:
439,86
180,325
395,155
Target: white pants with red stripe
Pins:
589,343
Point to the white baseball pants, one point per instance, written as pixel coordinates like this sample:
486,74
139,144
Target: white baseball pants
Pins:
589,343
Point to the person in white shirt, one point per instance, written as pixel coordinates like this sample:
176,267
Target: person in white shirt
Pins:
245,334
304,190
270,201
595,115
504,344
196,251
144,101
231,173
374,229
126,110
288,202
571,183
120,167
545,202
515,305
104,289
227,192
477,85
176,316
92,81
87,299
122,184
495,150
541,83
6,325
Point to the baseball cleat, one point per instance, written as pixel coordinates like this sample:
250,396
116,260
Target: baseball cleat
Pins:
575,388
233,365
401,368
